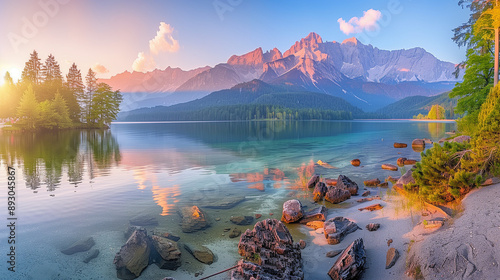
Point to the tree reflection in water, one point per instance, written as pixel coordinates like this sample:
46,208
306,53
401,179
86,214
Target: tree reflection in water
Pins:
46,156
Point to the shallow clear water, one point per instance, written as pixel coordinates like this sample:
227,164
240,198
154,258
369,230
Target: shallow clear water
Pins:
74,184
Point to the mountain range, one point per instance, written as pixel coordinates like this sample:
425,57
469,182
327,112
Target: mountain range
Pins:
363,75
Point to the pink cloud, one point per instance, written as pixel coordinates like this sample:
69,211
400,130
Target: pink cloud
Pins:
100,69
357,25
164,41
143,63
404,70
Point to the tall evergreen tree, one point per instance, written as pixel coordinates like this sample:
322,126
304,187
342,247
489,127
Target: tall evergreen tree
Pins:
91,87
31,72
75,95
51,72
28,109
105,105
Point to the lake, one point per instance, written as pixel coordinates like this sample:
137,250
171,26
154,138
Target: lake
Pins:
75,184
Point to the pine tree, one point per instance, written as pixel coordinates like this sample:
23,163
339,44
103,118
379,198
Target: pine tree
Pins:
61,109
28,109
51,72
105,105
91,87
31,72
75,97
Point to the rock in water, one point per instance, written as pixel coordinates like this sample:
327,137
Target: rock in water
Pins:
227,202
201,253
235,233
400,145
313,181
372,182
391,258
350,263
144,220
92,255
355,162
166,253
331,182
372,226
410,162
319,191
407,178
316,224
366,193
418,142
270,246
292,211
390,167
336,228
79,246
242,220
333,253
193,219
344,182
373,207
337,195
316,214
133,257
401,161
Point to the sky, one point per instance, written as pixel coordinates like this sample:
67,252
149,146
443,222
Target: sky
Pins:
111,36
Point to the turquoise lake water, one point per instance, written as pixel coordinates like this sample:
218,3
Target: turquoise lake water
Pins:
75,184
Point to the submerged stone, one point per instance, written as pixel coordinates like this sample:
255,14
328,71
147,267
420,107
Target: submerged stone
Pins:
79,246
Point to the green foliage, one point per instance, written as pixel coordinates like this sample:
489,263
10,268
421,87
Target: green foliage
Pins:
436,113
42,100
412,106
440,177
28,110
234,112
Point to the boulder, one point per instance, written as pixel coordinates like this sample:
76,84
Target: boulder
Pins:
383,185
241,220
344,182
201,253
331,182
372,182
129,231
144,220
401,161
292,211
193,219
313,181
410,162
400,145
392,179
418,142
302,244
407,178
133,257
372,226
390,167
461,139
350,263
79,246
227,202
337,228
92,255
366,193
333,253
166,253
428,141
258,216
365,199
442,140
269,245
319,192
235,233
315,224
316,214
337,195
355,162
373,207
490,181
391,258
170,236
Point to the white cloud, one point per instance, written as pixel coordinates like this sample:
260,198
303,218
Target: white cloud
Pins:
357,25
163,41
99,68
143,63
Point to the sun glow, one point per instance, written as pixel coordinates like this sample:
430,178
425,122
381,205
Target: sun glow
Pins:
14,72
